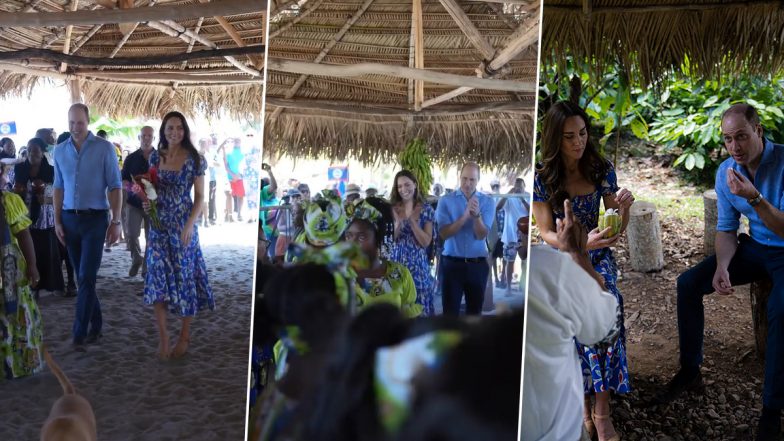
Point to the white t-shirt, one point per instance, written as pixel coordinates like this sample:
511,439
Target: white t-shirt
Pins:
563,302
514,209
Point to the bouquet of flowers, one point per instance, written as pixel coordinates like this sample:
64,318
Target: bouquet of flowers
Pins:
144,188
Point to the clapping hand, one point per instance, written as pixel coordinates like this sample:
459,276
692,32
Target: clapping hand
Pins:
473,206
740,185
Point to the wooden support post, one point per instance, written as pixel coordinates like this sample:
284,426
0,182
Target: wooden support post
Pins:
419,53
644,234
68,30
710,206
76,91
759,292
126,28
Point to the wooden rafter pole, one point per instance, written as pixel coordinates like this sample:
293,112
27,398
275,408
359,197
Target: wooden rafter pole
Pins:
68,30
196,31
525,35
419,53
469,30
176,30
328,47
361,69
229,30
134,15
403,111
85,38
54,56
283,7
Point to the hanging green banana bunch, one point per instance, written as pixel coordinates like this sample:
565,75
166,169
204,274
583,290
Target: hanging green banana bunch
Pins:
416,159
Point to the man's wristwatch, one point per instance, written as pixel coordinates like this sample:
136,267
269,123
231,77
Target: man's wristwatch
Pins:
116,222
755,200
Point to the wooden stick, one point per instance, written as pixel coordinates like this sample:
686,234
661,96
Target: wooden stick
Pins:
78,60
84,38
68,30
168,77
135,15
355,70
391,110
419,53
331,44
468,28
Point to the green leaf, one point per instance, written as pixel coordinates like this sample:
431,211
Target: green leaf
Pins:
690,161
699,161
673,112
640,129
680,159
711,101
609,125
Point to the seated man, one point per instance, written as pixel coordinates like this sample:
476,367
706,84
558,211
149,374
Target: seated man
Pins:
748,183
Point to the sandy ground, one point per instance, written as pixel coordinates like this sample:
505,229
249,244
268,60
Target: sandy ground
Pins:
135,396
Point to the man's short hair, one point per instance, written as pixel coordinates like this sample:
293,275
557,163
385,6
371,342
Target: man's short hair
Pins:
747,110
470,164
101,134
42,133
81,107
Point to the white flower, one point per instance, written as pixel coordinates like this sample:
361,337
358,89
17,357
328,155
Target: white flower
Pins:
610,212
149,190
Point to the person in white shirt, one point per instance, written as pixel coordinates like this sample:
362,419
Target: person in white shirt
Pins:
566,299
514,208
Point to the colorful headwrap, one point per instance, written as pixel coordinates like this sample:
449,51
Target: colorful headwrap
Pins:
340,259
324,226
363,210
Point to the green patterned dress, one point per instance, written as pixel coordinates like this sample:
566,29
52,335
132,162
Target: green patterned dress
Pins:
21,328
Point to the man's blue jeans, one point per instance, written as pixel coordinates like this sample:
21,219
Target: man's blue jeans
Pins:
460,277
85,235
752,261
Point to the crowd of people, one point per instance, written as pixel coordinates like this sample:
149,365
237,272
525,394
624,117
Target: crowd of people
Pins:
575,344
348,283
66,201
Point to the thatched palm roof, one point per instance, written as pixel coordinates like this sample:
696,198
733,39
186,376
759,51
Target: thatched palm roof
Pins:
313,109
121,76
651,37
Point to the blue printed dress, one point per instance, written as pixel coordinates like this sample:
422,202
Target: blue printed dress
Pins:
603,368
176,272
407,251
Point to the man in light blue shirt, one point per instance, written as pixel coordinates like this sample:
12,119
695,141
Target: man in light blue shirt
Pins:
85,172
464,218
749,182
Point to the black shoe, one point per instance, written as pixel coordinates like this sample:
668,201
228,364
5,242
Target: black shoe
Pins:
79,347
683,381
135,268
93,338
769,428
70,291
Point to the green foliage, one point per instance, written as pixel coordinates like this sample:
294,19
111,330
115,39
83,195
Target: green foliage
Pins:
125,129
689,121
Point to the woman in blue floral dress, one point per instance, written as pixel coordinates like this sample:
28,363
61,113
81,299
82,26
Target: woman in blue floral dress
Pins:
413,234
572,169
176,273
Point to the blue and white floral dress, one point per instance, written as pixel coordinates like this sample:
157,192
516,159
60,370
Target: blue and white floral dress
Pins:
176,272
407,251
603,368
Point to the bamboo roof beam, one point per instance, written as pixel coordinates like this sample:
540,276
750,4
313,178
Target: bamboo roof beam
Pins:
68,30
196,31
168,77
229,30
526,35
46,54
419,53
468,28
176,30
84,38
134,15
392,110
324,52
362,69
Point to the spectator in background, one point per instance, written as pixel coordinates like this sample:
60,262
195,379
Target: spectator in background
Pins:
371,192
284,222
497,247
514,209
353,192
70,289
234,160
269,189
138,163
250,177
47,135
304,190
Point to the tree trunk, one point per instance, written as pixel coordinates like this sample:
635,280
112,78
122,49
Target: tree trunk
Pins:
644,233
759,292
709,201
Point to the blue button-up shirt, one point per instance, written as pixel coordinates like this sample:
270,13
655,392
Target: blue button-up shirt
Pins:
463,243
86,175
769,181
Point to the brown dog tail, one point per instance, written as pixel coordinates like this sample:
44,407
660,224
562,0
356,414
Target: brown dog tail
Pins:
55,368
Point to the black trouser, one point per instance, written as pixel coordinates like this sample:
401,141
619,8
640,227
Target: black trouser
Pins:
458,276
213,213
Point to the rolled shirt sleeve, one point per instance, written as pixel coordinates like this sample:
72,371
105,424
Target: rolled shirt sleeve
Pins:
728,215
112,170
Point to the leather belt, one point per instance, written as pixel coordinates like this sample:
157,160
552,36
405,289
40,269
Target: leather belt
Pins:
466,259
86,212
